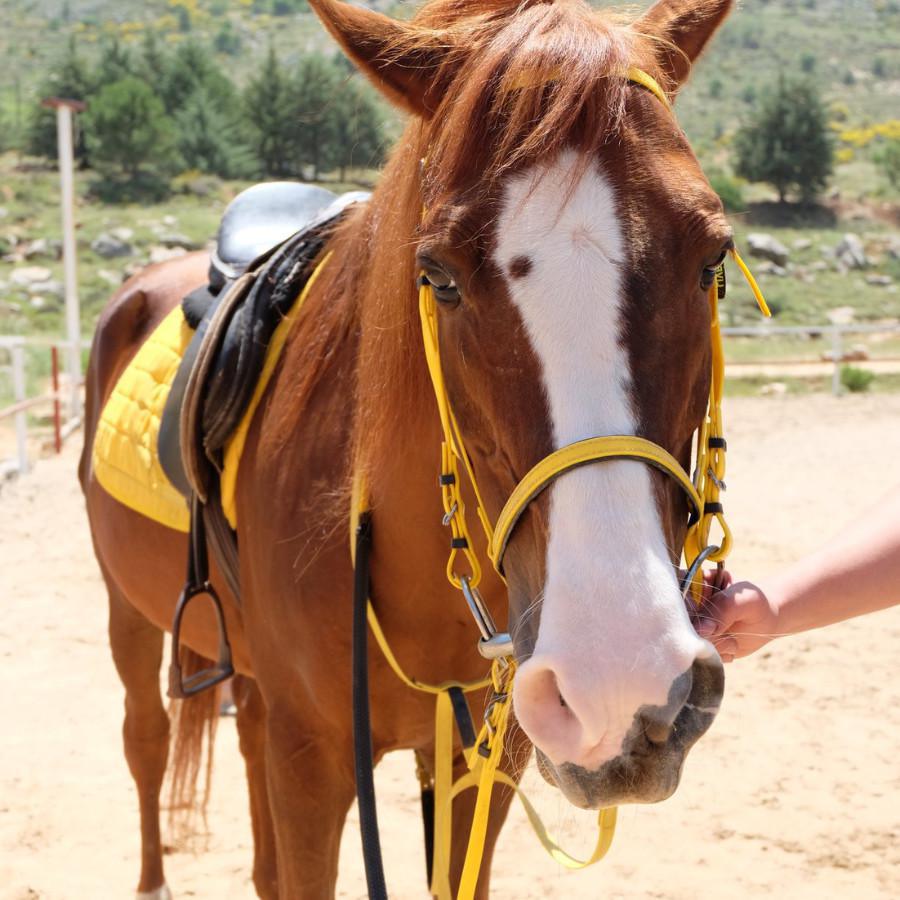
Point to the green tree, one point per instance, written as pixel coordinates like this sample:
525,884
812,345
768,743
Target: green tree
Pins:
70,79
313,90
787,143
267,103
128,130
888,159
357,130
115,63
208,139
192,66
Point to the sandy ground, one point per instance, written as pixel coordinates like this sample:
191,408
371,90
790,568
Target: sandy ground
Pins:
793,792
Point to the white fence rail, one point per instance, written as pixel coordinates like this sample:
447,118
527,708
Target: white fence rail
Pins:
835,334
14,347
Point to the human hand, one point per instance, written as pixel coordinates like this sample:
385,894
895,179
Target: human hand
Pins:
737,618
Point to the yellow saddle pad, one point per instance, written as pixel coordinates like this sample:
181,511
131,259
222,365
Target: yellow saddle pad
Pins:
125,460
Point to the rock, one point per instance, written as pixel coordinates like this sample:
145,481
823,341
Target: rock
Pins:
774,389
893,248
113,279
802,244
164,254
851,253
770,268
764,246
879,280
9,469
55,288
38,303
41,247
122,233
818,266
4,212
842,315
169,221
25,275
110,247
174,239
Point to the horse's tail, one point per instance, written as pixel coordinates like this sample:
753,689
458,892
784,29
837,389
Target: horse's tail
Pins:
194,722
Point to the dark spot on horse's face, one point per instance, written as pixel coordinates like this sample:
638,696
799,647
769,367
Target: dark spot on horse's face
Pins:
520,267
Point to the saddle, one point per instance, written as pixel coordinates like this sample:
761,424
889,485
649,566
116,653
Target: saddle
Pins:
267,245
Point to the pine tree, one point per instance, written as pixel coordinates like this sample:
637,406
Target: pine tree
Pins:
208,139
115,64
192,66
128,130
71,80
358,138
313,91
267,106
787,144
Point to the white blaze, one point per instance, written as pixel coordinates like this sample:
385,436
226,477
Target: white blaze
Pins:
613,631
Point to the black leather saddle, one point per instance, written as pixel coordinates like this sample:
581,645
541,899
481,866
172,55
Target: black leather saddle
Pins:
267,244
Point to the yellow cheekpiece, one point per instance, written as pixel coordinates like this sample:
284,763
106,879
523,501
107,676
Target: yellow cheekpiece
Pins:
125,460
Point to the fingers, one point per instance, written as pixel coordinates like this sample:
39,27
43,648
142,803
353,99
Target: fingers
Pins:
727,648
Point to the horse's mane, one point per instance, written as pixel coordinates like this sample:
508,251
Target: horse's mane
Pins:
518,83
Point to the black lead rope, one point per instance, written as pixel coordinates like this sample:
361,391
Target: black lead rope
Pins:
362,726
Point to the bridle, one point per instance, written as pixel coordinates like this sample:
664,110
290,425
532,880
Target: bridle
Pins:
702,490
483,753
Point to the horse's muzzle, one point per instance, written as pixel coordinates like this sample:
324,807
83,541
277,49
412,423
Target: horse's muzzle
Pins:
653,752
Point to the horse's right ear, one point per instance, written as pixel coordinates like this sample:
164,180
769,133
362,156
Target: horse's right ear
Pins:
400,61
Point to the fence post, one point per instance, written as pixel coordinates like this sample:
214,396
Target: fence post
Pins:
837,353
17,352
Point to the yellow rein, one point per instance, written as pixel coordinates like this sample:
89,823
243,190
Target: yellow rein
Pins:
702,492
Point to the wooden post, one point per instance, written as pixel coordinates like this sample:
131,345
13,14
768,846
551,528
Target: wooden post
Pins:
64,109
17,352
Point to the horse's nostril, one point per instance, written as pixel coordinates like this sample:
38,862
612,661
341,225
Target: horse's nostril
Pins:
562,701
657,731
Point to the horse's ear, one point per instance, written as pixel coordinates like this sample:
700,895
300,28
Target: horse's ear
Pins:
399,60
683,28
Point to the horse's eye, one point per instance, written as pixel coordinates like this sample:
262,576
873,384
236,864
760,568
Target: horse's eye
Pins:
443,286
708,274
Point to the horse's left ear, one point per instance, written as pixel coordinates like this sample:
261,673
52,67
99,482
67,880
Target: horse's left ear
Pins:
684,28
401,61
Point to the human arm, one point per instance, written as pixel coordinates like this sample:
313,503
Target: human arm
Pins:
857,572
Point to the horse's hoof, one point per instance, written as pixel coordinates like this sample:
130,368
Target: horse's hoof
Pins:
161,893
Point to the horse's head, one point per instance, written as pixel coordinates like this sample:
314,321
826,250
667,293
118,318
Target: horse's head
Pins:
572,238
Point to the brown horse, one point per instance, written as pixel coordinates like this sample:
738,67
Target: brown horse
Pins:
571,236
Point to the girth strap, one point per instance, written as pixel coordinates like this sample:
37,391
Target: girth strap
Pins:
574,456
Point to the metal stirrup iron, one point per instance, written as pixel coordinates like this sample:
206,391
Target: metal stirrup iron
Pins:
197,584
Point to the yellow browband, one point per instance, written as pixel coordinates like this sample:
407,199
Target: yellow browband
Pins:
702,491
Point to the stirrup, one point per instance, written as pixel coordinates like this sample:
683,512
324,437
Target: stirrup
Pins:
197,584
179,687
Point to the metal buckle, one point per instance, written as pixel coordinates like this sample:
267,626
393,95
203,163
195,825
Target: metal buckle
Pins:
496,647
493,644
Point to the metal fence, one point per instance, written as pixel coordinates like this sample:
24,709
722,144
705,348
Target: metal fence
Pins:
64,404
834,337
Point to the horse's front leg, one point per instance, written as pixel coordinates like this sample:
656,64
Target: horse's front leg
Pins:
311,788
